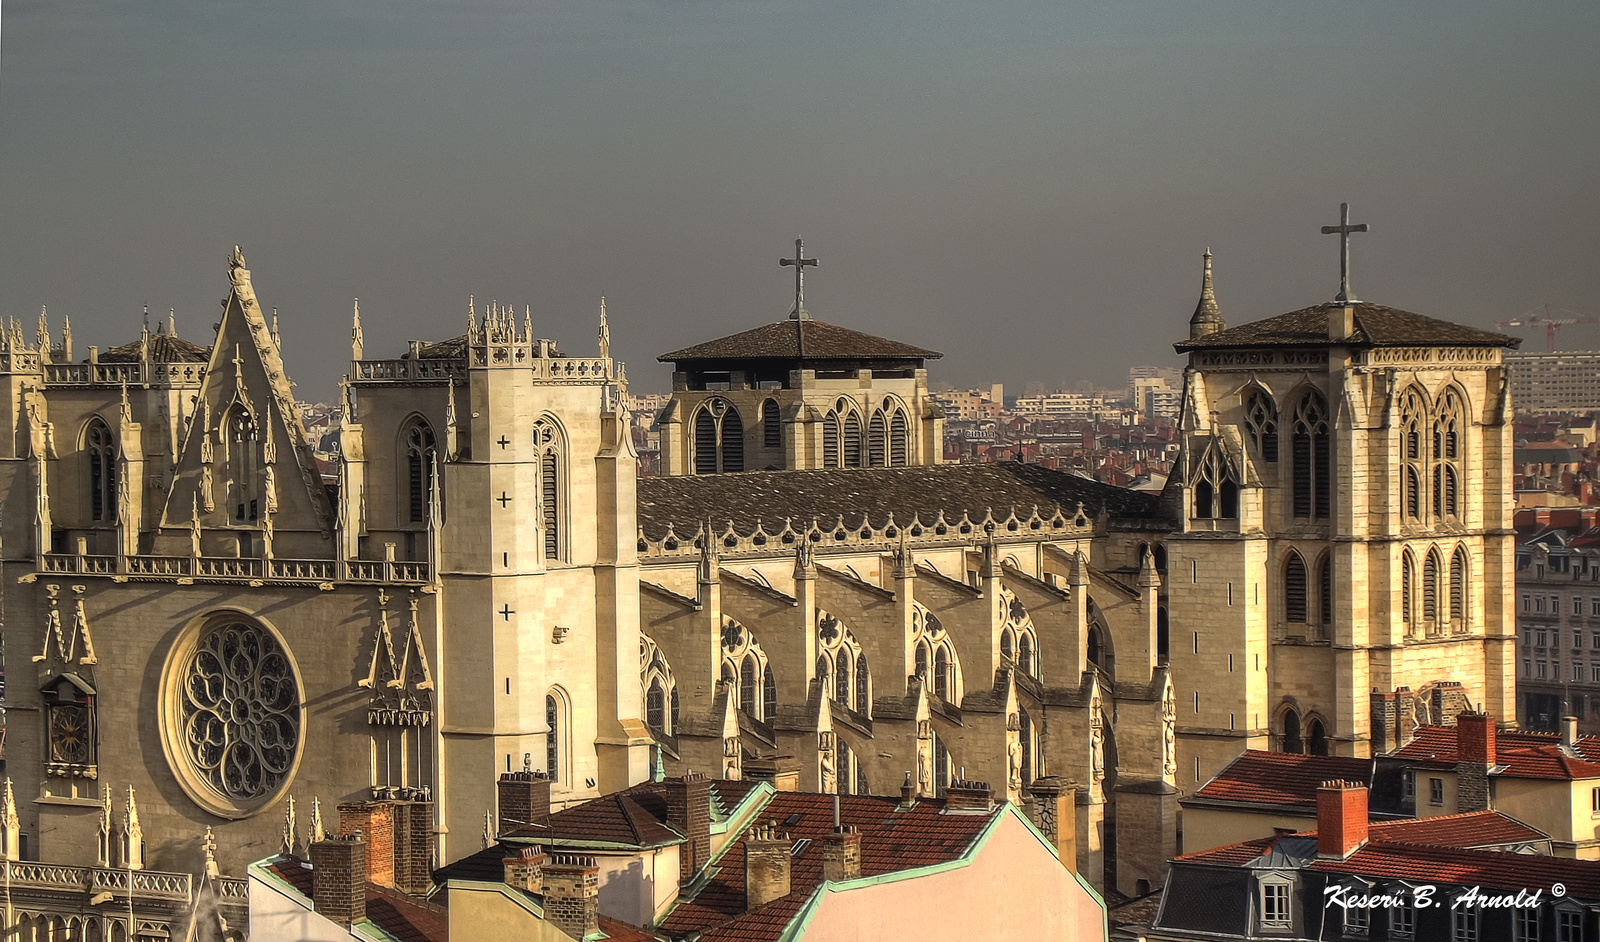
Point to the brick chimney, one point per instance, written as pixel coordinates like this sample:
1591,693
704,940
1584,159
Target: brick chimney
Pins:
572,894
339,878
1569,731
1341,818
841,854
1475,754
374,821
525,870
689,812
1055,811
781,772
968,797
413,847
766,866
524,797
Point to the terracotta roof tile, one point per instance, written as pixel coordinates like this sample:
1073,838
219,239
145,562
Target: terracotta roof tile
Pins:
1231,855
870,495
404,917
1524,754
1282,778
619,931
1469,829
1376,326
793,340
1488,869
892,839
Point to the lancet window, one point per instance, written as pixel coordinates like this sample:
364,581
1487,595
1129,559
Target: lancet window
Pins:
935,655
849,681
1411,451
899,440
1458,589
1294,589
718,438
745,668
1430,589
771,425
101,450
661,689
555,739
1261,422
241,442
1408,581
421,454
1312,458
550,452
1216,487
1325,589
1018,640
1446,457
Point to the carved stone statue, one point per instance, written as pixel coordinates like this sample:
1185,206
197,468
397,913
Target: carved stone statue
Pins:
1097,755
1169,733
1014,763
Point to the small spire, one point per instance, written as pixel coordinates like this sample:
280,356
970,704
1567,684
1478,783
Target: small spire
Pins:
527,323
357,342
146,327
66,338
276,340
1207,318
488,829
42,335
605,330
8,808
209,845
318,833
172,322
290,837
132,836
472,317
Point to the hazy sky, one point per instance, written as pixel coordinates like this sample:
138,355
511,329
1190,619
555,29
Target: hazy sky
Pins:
1025,186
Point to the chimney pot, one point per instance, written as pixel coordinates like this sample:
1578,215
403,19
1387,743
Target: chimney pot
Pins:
766,866
967,797
1569,731
1341,818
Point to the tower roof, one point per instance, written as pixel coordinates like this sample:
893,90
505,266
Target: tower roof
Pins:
1375,326
164,348
1207,317
791,339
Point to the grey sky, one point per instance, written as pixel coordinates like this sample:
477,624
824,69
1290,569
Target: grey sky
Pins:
1026,186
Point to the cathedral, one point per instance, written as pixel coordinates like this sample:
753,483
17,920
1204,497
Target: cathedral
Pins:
222,632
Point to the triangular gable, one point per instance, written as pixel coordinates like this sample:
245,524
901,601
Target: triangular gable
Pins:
246,369
69,643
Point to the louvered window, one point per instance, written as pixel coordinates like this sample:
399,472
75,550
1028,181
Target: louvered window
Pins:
771,425
1325,588
852,441
877,444
898,440
732,437
705,442
1430,589
549,504
830,441
1312,492
1294,589
1405,588
1458,586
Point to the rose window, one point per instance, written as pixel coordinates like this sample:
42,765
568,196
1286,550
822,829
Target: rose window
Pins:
239,711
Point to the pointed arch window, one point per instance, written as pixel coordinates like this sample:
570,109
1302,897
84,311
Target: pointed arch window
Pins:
1325,590
1312,458
1216,489
655,707
554,738
899,440
1261,422
769,694
922,660
748,687
1291,732
877,441
941,673
101,449
1430,589
830,441
421,455
550,451
771,425
1317,739
1447,422
718,438
852,440
1294,589
242,463
1458,588
1407,581
863,685
841,677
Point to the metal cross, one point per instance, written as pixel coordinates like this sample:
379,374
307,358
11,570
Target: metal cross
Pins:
503,499
1344,229
799,263
503,442
506,611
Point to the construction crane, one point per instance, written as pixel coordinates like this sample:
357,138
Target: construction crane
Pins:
1547,316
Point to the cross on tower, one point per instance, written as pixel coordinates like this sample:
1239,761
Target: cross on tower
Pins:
799,263
1344,229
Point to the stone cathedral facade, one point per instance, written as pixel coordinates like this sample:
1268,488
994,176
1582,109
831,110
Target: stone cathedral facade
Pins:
228,631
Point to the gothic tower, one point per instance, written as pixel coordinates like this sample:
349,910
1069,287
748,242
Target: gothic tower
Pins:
1342,565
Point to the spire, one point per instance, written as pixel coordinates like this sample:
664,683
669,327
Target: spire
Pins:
605,330
488,829
276,340
9,826
472,318
356,341
66,338
42,336
527,323
290,829
1207,318
132,836
103,851
172,322
318,832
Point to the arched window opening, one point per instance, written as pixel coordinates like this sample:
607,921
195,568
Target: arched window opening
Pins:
1458,587
102,454
1203,499
1311,458
242,463
1163,637
1005,645
748,687
1025,740
1325,590
1447,422
1317,739
941,674
1294,590
877,441
674,711
771,425
552,738
941,766
1291,732
655,707
830,441
824,668
922,660
1430,590
1413,494
769,694
1407,580
863,686
421,452
718,438
1094,646
1261,421
1216,489
852,441
1411,451
899,440
550,453
841,678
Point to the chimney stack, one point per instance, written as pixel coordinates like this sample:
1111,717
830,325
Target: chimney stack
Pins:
524,797
841,854
399,841
374,821
781,772
1341,818
1569,731
908,792
339,878
766,866
572,894
525,871
689,813
968,797
1475,755
1055,810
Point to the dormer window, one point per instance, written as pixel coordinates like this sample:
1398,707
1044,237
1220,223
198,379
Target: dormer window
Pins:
1274,899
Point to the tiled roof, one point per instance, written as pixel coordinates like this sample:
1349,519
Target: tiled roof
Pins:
614,819
1469,829
1282,778
164,348
618,931
1524,754
1375,326
793,340
687,501
1488,869
1231,855
404,917
892,839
